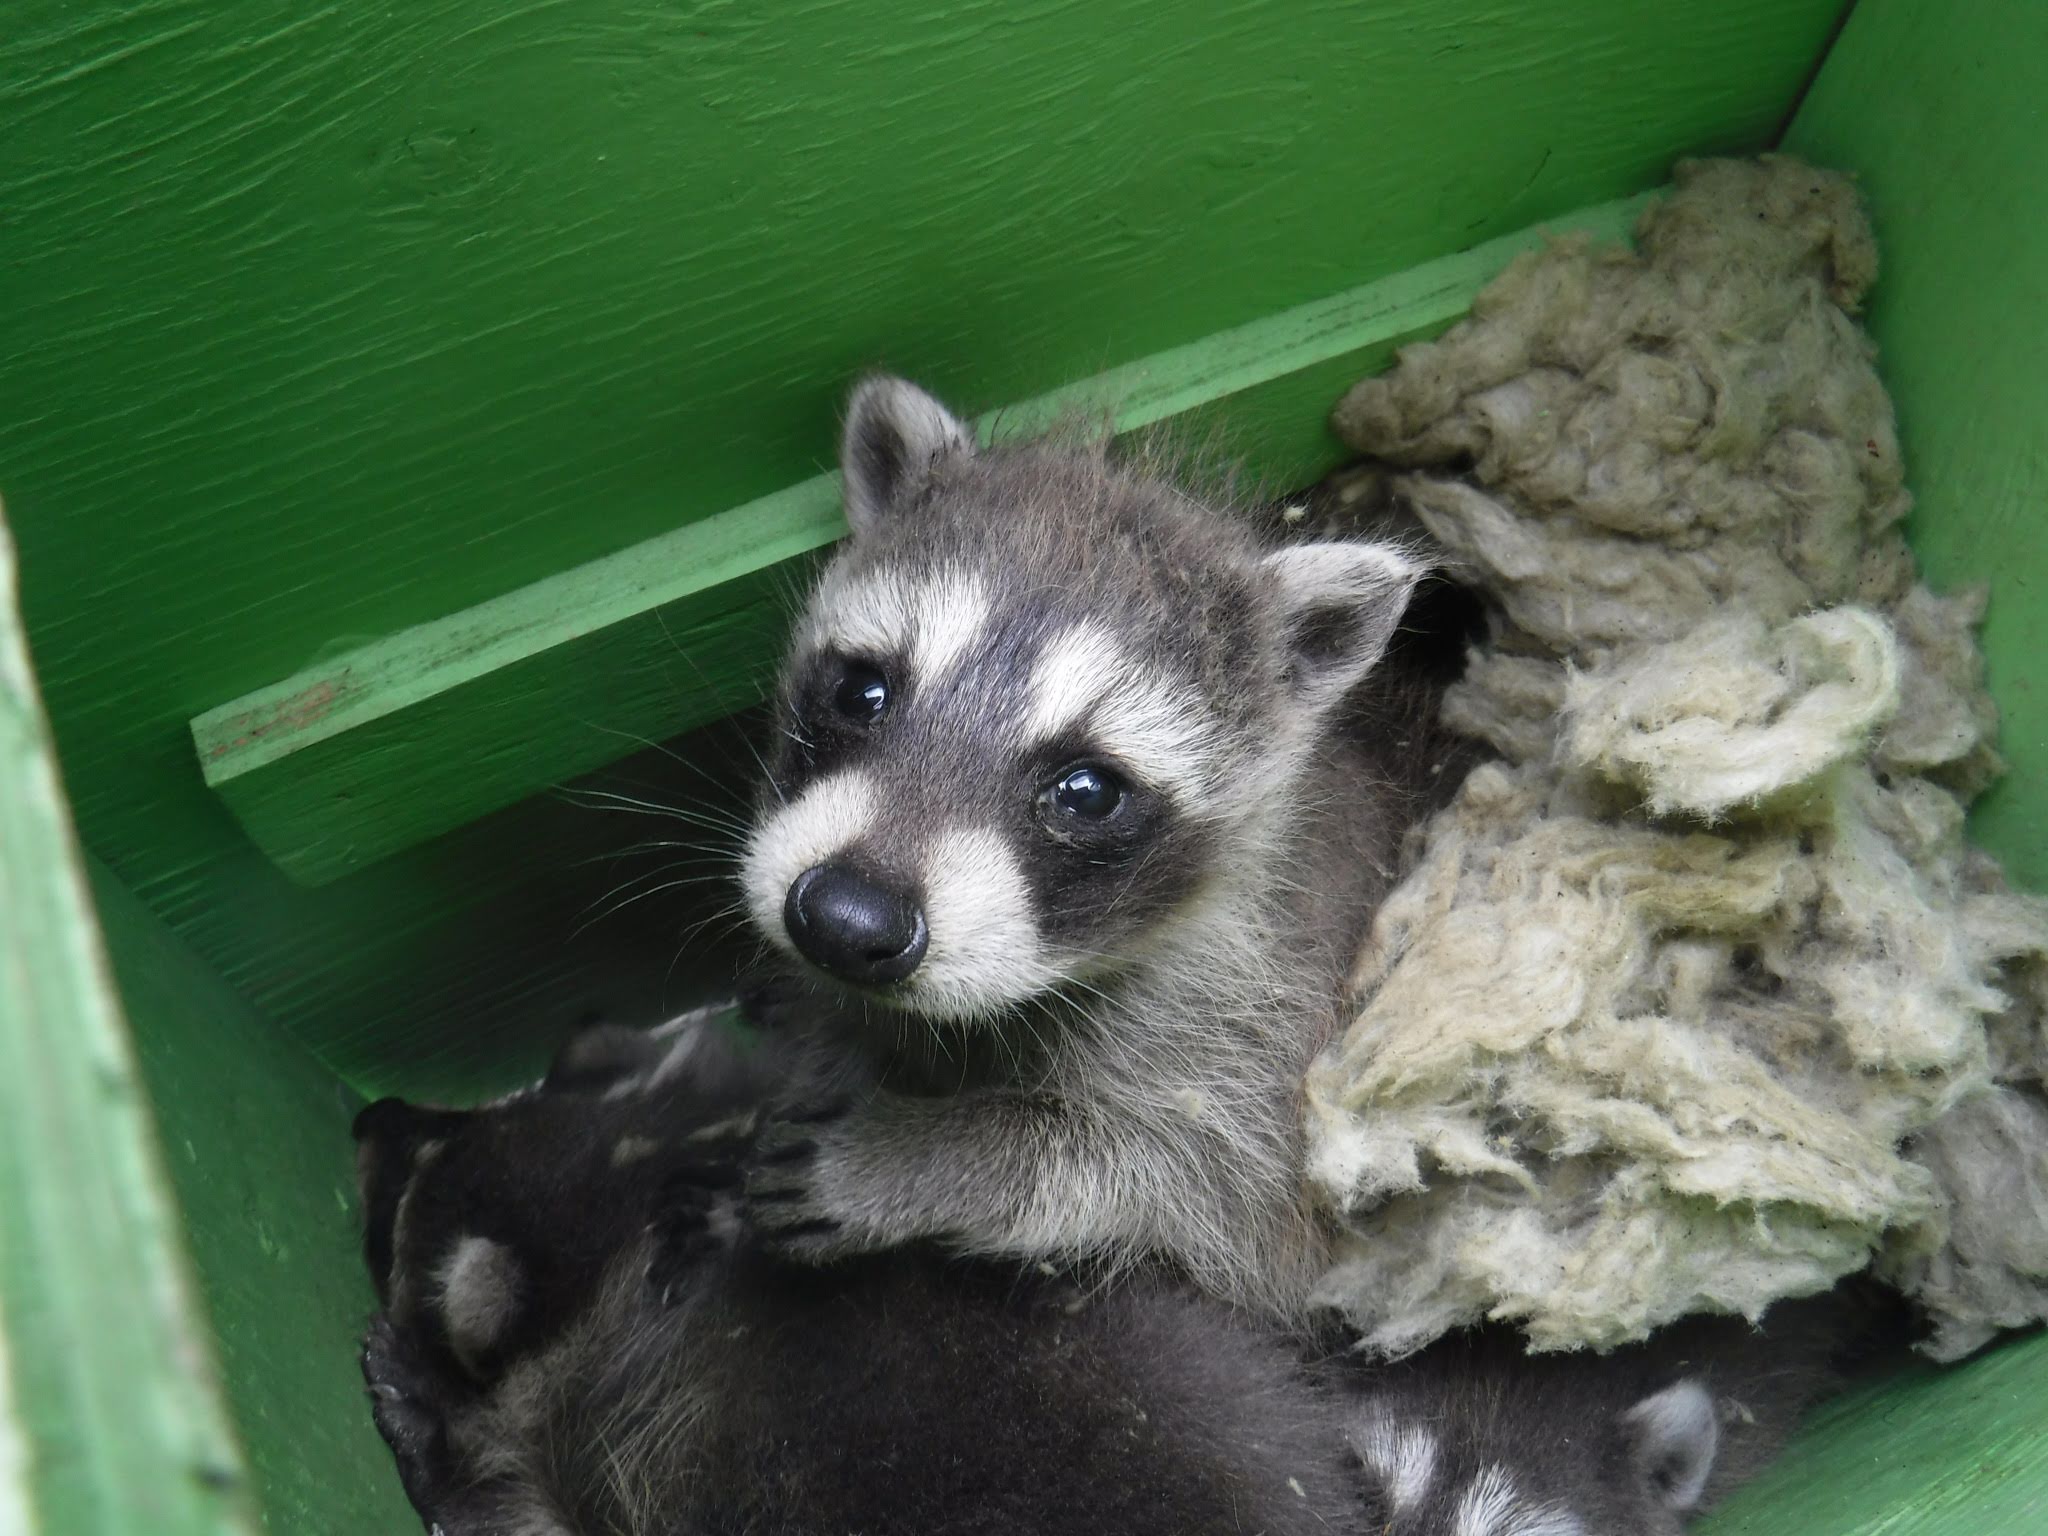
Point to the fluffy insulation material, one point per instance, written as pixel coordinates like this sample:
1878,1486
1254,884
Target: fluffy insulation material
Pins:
1696,996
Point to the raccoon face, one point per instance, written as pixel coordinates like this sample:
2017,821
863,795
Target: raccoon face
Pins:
1643,1473
484,1229
1038,706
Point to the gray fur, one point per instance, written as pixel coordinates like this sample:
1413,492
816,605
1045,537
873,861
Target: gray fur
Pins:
663,1381
661,1376
1118,1073
1473,1437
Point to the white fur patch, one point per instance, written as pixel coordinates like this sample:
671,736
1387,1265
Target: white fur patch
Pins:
479,1288
1326,571
951,610
985,950
1678,1435
628,1150
1488,1505
932,620
1156,726
809,830
1547,1520
1402,1457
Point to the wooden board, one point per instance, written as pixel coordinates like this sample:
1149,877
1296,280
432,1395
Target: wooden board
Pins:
400,740
1938,111
255,1134
1954,1451
326,323
110,1417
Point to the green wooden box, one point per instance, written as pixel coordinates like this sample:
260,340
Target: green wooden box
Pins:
407,409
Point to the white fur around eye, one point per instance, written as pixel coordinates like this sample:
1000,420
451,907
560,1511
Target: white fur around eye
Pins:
1158,727
865,613
811,829
931,620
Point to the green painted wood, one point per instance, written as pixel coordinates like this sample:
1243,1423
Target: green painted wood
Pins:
1956,1451
255,1135
329,321
397,741
114,1423
1938,109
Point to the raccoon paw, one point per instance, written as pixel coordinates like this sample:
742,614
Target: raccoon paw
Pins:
693,1220
404,1403
786,1210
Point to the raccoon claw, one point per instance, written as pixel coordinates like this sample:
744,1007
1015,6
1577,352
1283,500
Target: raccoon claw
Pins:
794,1231
784,1212
687,1232
686,1235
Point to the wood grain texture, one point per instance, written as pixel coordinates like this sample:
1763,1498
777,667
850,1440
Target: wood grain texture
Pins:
349,761
1939,112
113,1402
326,322
1956,1451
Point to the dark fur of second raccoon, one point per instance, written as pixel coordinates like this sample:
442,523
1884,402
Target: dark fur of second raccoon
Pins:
1091,1041
613,1366
1474,1436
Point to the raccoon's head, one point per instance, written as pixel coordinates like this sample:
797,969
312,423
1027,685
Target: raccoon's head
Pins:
484,1230
1038,705
1565,1469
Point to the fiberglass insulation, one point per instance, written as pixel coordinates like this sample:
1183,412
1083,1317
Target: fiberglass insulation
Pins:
1696,996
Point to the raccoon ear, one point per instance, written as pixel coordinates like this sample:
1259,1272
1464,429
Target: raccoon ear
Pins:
1676,1435
895,435
1341,602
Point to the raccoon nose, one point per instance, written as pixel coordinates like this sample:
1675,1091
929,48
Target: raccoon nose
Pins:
853,927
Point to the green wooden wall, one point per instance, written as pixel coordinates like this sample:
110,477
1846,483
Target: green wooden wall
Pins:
110,1416
255,1137
321,323
325,321
1940,113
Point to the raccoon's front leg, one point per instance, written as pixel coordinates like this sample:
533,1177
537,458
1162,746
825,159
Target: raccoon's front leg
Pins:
992,1173
407,1401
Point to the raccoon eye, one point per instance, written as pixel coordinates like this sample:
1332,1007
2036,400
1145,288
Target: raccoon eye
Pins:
1088,792
862,693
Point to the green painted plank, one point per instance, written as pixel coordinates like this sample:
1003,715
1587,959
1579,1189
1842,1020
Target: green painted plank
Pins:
328,321
1956,1451
255,1134
1938,110
400,740
116,1427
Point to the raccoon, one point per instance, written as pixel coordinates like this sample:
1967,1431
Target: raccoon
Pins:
577,1341
1075,817
1474,1437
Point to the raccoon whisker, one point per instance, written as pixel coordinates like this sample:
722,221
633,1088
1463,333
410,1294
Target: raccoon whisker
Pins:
724,704
734,915
706,813
699,853
670,867
611,800
622,887
723,786
620,906
646,741
710,816
732,911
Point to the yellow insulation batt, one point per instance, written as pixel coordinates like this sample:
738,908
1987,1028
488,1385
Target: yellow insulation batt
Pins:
1697,996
